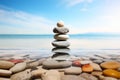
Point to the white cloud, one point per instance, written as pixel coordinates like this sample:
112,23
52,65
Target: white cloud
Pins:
71,3
22,22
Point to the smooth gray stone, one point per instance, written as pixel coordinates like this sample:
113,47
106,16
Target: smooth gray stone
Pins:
60,56
62,37
61,50
61,30
51,64
98,61
61,44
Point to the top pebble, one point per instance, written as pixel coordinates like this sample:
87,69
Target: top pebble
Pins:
60,24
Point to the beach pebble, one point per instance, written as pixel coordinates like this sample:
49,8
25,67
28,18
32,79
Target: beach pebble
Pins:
60,56
98,61
60,44
5,73
103,56
60,24
87,68
24,75
61,50
38,72
18,67
76,63
109,78
97,73
71,77
17,61
63,37
101,77
88,76
73,70
118,69
56,64
4,78
110,64
85,62
51,75
33,64
41,61
96,67
6,64
61,30
111,73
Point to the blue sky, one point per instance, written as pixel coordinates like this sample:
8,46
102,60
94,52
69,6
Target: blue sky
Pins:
41,16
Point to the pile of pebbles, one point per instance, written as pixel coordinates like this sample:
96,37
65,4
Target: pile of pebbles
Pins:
75,68
60,50
61,36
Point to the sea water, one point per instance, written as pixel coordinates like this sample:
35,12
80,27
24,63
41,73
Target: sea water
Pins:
41,44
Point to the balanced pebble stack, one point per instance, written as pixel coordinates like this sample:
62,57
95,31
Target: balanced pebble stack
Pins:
61,50
60,36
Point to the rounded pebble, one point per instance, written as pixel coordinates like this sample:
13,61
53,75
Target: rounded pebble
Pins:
63,37
87,68
111,73
60,24
6,64
73,70
61,44
18,67
110,65
5,73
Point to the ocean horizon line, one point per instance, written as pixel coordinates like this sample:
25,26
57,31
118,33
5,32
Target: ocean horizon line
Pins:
79,34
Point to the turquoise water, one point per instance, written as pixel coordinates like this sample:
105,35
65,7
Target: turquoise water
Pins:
79,41
41,44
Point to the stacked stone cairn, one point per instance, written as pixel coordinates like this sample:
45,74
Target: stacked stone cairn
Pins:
61,50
